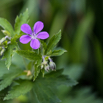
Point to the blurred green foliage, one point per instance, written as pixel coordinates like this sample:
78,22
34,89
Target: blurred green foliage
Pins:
81,25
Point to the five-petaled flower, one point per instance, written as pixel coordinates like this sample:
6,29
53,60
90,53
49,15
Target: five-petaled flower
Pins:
34,35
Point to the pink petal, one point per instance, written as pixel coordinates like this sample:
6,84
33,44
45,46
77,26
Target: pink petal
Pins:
26,29
35,44
43,35
25,39
38,26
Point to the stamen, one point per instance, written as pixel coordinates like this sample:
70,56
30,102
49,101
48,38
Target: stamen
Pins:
33,36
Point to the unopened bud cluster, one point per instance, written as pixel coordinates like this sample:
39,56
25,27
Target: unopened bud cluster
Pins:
4,43
48,64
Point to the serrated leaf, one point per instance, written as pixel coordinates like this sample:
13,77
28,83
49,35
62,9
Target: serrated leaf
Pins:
29,54
30,65
58,52
8,78
48,84
59,79
8,54
36,72
53,41
6,25
3,69
23,18
37,69
23,88
44,93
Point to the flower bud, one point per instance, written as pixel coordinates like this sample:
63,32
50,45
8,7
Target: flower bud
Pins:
47,68
2,40
42,66
2,51
45,62
8,42
6,32
52,65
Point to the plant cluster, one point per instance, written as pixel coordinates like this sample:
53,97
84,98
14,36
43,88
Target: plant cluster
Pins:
40,77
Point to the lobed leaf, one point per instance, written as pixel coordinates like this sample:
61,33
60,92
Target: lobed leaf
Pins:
8,54
23,18
53,41
37,69
58,52
8,78
59,79
44,88
24,87
36,72
44,93
29,54
7,26
3,68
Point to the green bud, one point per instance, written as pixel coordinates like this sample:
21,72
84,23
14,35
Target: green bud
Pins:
2,40
5,42
47,68
2,51
52,65
42,66
6,32
8,42
46,58
45,62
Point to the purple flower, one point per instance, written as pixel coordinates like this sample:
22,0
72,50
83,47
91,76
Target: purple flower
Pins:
34,35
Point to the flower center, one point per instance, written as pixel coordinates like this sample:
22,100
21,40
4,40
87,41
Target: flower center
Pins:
33,36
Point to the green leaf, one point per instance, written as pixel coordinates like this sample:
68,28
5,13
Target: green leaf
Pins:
46,93
21,89
23,18
6,25
8,78
16,36
8,54
36,72
58,52
37,69
53,41
3,68
30,65
59,79
29,55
